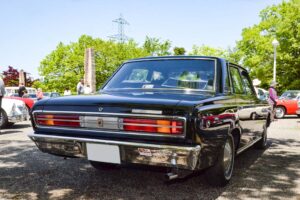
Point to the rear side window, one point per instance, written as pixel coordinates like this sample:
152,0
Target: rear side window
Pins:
247,83
236,80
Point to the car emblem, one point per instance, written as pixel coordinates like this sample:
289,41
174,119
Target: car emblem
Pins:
100,109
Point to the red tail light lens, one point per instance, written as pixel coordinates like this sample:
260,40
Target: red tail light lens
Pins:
153,126
57,120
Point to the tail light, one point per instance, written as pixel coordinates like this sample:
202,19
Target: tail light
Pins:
57,120
153,126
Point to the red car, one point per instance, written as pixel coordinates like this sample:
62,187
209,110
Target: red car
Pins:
287,104
28,101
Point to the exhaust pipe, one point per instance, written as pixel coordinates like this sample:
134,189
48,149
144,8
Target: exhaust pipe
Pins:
171,176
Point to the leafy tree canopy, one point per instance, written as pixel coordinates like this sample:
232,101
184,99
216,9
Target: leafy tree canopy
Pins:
156,47
179,51
256,51
11,77
64,66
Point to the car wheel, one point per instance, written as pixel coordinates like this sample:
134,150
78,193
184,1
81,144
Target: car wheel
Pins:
253,116
298,115
262,143
3,119
279,112
221,173
103,166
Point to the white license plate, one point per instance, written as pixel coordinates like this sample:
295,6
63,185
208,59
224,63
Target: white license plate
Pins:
103,153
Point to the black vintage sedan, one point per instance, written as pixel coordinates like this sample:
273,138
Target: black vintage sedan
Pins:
182,113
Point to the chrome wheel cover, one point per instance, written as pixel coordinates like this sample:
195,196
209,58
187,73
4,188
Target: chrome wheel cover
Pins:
228,158
279,112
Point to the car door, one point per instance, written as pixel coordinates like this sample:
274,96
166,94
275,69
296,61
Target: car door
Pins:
258,108
243,104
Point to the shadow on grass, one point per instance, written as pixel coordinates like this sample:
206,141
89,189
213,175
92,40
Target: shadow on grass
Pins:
27,173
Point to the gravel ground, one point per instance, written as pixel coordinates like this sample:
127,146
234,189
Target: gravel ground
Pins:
27,173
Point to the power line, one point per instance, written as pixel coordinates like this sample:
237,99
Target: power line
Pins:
121,37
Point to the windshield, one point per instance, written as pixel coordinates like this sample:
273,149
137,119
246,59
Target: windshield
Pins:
290,95
165,74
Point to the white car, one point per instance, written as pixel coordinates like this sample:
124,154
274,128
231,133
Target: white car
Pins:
12,111
9,91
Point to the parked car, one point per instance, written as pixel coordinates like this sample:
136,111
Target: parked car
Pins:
298,108
51,94
12,111
28,101
287,103
262,94
181,113
11,91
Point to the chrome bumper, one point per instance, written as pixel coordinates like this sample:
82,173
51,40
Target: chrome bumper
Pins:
15,118
130,152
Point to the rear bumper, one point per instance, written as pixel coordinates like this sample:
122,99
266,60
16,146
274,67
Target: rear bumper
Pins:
181,157
15,118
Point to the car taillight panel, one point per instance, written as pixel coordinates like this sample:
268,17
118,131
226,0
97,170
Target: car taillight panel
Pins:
57,120
127,124
153,126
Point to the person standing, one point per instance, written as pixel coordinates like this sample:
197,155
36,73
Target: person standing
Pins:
2,93
80,87
39,94
87,90
67,92
21,90
272,98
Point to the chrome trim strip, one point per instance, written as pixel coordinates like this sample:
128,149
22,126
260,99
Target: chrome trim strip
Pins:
60,120
240,150
141,111
150,125
111,114
109,131
112,142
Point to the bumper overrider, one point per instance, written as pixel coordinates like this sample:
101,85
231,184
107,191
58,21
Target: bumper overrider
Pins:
119,152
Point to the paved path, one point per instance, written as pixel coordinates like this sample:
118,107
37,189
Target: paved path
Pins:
26,173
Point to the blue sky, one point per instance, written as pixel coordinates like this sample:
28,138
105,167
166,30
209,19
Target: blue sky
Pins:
31,29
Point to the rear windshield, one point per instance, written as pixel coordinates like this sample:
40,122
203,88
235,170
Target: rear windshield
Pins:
165,74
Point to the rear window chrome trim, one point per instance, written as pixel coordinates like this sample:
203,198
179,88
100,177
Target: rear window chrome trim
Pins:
109,131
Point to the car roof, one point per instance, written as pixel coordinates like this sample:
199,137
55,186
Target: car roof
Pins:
292,91
179,57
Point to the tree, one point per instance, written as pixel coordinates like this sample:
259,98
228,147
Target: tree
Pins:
282,22
156,47
205,50
64,66
179,51
11,77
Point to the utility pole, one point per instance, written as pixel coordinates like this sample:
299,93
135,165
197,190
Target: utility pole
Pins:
275,43
120,37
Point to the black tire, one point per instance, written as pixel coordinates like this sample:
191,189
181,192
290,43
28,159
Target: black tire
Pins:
10,124
103,166
262,143
3,119
279,112
253,116
298,115
221,173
